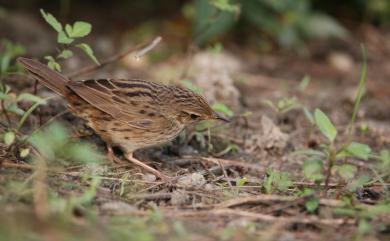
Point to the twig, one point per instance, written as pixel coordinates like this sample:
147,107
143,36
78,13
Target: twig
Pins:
151,196
141,48
335,185
226,212
147,48
8,164
234,163
272,198
227,178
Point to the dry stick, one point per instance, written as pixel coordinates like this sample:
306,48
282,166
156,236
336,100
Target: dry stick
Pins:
152,196
272,198
141,48
226,212
234,163
8,164
227,178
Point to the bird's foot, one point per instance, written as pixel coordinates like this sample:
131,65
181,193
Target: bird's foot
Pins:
150,169
111,156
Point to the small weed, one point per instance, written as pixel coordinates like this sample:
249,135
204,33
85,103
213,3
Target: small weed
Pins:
66,38
276,181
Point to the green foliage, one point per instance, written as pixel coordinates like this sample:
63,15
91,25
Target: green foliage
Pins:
241,182
290,23
87,49
283,105
8,52
313,165
358,150
67,36
15,116
361,89
364,214
276,181
55,145
325,125
312,169
210,21
312,204
220,107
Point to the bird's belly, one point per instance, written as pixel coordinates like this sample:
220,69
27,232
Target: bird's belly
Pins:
133,139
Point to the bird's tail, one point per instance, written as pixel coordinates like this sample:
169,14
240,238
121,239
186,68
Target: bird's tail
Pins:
48,77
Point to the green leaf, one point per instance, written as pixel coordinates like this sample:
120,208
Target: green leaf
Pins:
68,29
63,39
346,171
83,153
241,181
79,29
312,169
32,98
220,107
24,152
209,22
309,115
52,63
276,180
87,49
359,150
270,104
358,183
15,109
312,205
225,5
325,125
304,83
4,96
321,26
384,157
66,53
9,138
52,21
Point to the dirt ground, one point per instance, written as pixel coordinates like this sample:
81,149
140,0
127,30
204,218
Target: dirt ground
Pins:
219,175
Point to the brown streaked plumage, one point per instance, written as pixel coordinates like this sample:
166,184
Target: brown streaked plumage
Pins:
132,114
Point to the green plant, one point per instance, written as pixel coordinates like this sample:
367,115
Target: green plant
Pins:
56,146
290,23
67,36
314,163
13,116
276,181
283,105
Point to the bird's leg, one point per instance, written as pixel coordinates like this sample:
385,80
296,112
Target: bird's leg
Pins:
129,156
111,155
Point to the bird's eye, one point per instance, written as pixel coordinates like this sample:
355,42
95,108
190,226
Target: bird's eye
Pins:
194,117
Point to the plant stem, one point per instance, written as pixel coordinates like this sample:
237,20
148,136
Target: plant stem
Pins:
332,157
360,92
5,113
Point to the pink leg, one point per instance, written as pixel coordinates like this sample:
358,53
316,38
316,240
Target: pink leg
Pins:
146,167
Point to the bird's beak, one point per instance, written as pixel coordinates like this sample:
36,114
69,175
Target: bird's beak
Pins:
218,116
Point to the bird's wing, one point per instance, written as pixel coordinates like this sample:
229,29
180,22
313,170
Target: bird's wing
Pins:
131,101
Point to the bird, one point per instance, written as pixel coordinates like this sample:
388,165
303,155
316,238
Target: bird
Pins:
129,113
